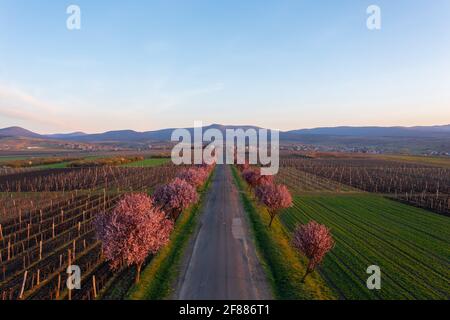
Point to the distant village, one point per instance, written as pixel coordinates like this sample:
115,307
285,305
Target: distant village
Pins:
367,150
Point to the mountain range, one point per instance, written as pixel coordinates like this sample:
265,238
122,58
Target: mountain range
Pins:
442,131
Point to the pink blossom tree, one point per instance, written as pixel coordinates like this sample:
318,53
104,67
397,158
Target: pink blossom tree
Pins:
207,167
193,176
265,179
251,176
174,197
204,172
254,177
243,166
275,197
314,240
134,229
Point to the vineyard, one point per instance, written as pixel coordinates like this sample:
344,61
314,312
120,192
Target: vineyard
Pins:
409,244
10,171
419,185
46,224
62,180
303,182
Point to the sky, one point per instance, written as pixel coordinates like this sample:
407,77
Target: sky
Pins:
281,64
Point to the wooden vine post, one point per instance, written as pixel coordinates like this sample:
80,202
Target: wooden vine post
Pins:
94,287
23,284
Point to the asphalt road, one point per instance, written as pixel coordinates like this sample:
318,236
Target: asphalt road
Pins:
221,261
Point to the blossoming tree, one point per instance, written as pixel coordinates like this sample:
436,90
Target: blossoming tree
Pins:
134,229
314,240
175,196
193,176
275,197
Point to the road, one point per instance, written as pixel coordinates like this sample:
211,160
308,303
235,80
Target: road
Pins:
221,262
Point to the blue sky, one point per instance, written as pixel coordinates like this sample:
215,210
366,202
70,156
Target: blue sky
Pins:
146,65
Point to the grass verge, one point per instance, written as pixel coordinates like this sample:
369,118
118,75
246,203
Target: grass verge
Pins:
284,267
157,278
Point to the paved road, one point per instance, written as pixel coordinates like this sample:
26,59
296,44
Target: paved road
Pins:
221,262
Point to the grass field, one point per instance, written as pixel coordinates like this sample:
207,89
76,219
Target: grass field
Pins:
410,245
151,162
147,163
12,158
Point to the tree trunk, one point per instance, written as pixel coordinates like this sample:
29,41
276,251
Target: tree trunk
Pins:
306,274
309,270
271,220
138,272
272,217
174,215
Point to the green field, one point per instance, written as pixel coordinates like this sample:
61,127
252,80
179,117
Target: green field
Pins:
410,245
58,165
147,163
8,158
151,162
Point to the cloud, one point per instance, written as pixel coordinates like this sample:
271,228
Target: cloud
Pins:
19,105
14,95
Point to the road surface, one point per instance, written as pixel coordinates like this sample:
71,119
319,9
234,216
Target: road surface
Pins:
221,261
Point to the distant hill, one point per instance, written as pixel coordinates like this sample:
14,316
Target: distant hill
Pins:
422,131
130,135
124,135
18,132
419,139
65,135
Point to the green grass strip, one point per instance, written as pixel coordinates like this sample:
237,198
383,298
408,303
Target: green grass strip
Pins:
157,278
151,162
283,265
59,165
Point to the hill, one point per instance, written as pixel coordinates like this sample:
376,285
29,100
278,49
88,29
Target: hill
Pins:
421,131
18,132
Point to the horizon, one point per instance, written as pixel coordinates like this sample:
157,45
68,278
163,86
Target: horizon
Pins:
151,65
216,124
